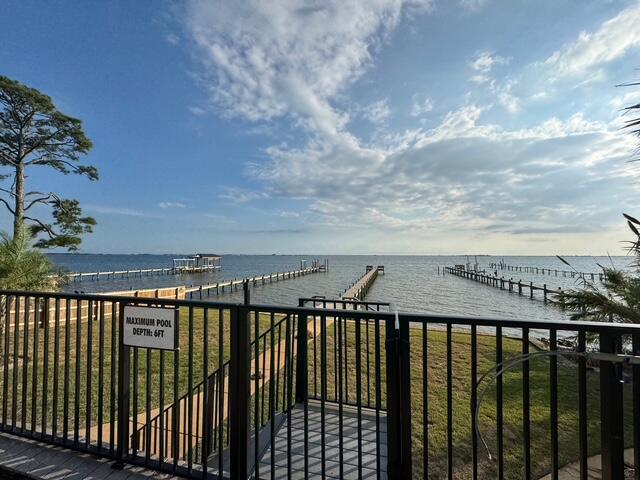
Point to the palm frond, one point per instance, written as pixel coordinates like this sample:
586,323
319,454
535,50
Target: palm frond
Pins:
22,267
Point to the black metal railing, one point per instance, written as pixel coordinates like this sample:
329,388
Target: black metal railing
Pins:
353,390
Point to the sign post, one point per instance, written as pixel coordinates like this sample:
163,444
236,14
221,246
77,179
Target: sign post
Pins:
141,327
150,327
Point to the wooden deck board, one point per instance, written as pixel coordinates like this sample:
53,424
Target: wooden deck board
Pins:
350,452
47,462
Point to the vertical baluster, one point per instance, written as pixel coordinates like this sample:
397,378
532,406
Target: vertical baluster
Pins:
553,380
582,407
526,415
474,401
449,404
425,400
499,405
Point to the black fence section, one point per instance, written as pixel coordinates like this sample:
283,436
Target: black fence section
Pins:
351,391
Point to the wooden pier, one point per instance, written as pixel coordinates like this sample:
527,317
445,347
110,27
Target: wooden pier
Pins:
36,311
358,290
219,287
546,271
135,273
510,285
175,270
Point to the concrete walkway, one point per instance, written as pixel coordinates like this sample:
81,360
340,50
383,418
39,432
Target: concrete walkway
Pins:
594,466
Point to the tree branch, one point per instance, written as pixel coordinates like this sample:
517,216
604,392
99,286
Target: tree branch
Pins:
7,158
39,200
6,204
46,228
7,191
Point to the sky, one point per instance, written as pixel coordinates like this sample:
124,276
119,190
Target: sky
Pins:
355,127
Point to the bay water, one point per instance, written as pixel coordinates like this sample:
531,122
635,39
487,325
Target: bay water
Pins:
410,283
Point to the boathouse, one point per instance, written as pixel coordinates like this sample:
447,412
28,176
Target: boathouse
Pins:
197,262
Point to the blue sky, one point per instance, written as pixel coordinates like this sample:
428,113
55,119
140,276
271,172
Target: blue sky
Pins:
386,126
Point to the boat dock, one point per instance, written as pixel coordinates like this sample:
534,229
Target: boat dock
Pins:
546,271
187,266
219,287
134,273
358,290
502,283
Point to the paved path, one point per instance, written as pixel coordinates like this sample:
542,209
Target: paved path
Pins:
572,470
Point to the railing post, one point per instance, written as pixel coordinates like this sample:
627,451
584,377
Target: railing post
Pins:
611,418
124,373
636,404
247,292
398,400
405,397
394,450
301,358
239,393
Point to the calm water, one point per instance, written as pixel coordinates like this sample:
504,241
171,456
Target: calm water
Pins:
411,283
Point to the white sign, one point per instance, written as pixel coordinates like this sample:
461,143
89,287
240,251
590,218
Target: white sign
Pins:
150,327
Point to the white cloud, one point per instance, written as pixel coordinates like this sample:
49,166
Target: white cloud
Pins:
483,64
420,105
539,96
107,210
612,40
287,214
506,98
377,112
172,38
472,5
466,172
268,60
482,67
237,196
171,205
485,61
197,111
624,100
217,218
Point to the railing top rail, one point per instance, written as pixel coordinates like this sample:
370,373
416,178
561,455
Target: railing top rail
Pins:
460,320
121,298
341,300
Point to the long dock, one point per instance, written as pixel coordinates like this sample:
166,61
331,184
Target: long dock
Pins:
37,311
358,290
509,285
546,271
219,287
135,273
145,272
